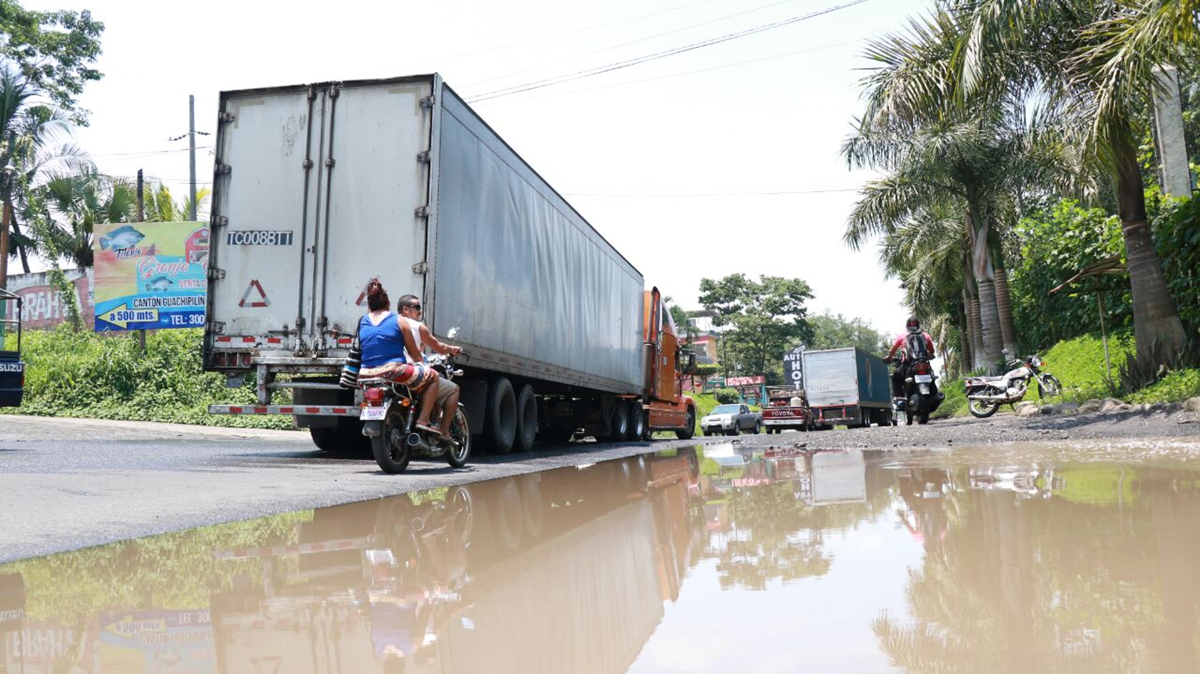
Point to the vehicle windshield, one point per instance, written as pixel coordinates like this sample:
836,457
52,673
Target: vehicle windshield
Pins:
726,409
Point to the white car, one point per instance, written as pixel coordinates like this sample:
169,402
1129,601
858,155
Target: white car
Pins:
731,420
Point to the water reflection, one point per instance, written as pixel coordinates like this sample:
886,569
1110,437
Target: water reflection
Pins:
980,562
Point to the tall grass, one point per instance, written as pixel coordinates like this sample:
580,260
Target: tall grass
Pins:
106,376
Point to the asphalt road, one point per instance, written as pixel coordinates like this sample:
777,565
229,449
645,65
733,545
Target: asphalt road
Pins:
72,483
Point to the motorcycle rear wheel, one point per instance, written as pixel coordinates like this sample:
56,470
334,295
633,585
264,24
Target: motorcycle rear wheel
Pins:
389,447
982,409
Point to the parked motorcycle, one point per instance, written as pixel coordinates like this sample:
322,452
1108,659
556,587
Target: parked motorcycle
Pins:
389,416
921,394
985,395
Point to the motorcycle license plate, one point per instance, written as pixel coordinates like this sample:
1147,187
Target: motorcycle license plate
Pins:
373,413
923,378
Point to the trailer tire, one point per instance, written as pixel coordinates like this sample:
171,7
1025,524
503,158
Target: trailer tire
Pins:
501,424
527,419
326,439
688,431
618,422
637,421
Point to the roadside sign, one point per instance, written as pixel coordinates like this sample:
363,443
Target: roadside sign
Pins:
793,371
150,275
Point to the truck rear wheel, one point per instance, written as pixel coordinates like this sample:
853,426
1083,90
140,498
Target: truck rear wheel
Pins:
637,421
618,423
527,419
501,424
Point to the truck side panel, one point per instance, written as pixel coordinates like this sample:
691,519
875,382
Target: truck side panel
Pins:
874,387
536,290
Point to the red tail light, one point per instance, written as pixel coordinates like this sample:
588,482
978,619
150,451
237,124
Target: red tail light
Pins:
373,396
921,368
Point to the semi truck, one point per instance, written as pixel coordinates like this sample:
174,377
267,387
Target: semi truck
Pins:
847,386
320,188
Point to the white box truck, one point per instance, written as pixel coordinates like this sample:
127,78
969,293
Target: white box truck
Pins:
320,188
847,386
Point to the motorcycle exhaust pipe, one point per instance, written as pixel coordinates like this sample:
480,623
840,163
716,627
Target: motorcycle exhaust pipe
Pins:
1003,398
413,440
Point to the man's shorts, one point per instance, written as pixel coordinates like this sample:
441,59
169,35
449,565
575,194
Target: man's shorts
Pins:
445,388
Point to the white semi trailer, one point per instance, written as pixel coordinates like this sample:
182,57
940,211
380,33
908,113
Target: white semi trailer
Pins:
320,188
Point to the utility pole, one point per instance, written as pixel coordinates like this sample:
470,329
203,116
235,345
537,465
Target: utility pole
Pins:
192,153
141,216
1168,133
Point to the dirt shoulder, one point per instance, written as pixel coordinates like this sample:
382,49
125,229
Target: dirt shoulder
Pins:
1000,428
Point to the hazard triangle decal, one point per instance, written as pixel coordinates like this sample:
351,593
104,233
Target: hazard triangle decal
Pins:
262,300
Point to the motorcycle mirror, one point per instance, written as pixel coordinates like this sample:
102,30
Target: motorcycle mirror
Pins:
453,332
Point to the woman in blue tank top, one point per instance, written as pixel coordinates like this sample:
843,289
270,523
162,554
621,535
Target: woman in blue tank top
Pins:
382,339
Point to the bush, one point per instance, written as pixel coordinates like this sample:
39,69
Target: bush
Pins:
106,376
1177,237
1079,364
1056,245
1173,388
727,396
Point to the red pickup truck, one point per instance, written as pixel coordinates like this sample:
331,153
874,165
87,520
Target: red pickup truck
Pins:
787,408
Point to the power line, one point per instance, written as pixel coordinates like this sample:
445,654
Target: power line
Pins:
682,74
551,81
637,41
563,34
715,194
148,152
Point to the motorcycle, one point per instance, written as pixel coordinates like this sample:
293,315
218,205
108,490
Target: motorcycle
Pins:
921,394
985,395
389,416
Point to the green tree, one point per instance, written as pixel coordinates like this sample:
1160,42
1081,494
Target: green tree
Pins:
54,51
1093,62
40,136
832,331
77,203
763,317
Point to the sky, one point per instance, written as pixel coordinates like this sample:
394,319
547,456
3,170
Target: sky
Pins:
711,161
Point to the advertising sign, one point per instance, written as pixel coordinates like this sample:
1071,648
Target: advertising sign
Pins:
793,372
150,275
155,642
745,381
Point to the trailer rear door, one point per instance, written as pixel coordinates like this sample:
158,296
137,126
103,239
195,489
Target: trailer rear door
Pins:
323,192
831,377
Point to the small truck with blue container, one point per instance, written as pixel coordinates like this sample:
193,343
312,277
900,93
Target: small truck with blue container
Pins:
847,386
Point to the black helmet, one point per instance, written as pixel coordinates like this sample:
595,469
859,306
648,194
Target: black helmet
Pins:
913,324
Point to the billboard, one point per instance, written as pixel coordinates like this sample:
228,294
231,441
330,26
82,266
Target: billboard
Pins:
150,275
793,369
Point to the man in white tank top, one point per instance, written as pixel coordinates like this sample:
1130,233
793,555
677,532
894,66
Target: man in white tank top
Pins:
409,308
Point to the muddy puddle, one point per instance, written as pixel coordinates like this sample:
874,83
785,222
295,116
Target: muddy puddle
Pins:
1005,559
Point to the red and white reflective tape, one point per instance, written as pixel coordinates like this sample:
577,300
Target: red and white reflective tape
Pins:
274,340
308,410
298,549
345,341
239,340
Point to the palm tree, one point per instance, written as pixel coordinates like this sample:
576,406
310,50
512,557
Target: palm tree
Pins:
953,162
76,203
1093,61
161,206
41,143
